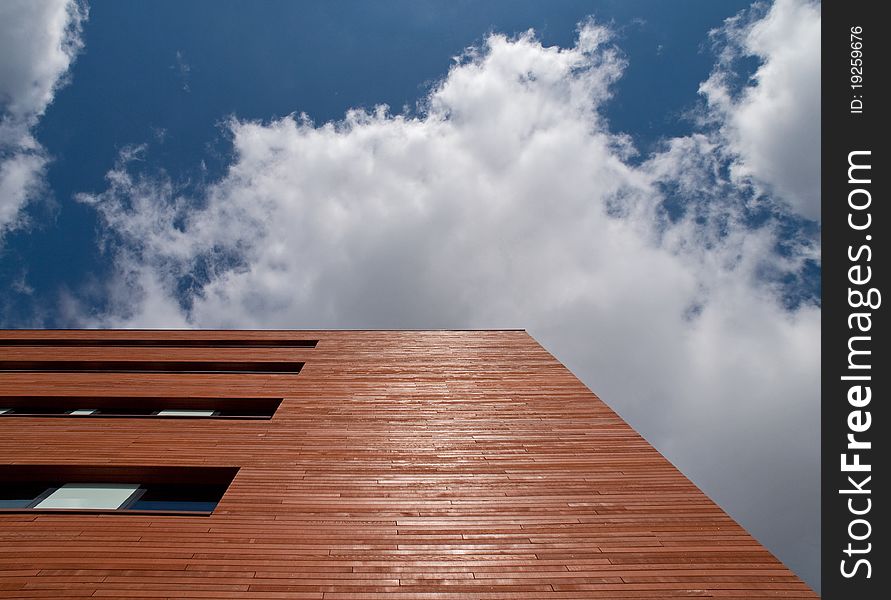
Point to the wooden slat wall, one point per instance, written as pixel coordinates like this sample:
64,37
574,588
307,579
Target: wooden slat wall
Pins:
400,465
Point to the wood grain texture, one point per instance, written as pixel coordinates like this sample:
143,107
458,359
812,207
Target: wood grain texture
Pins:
401,464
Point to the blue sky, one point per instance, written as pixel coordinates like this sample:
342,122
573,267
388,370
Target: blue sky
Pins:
637,183
167,73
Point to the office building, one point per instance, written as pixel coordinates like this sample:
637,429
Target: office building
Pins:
341,464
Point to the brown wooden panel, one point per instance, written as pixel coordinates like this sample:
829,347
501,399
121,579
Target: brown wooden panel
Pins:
400,464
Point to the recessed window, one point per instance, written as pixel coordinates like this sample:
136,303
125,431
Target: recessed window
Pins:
177,498
156,343
151,366
105,496
21,494
135,407
67,488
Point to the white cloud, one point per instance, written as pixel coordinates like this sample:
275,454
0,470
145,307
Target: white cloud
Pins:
20,178
773,124
507,202
38,42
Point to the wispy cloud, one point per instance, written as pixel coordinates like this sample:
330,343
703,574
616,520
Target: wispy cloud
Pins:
183,71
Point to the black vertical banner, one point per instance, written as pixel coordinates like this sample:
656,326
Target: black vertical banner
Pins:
856,562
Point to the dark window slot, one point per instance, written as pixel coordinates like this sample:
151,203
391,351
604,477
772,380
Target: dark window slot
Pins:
130,489
194,498
137,407
187,343
160,366
21,494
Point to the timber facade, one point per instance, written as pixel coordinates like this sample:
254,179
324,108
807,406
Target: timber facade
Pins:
341,464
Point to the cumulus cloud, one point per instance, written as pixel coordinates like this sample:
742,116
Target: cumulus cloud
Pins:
38,42
505,200
772,124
